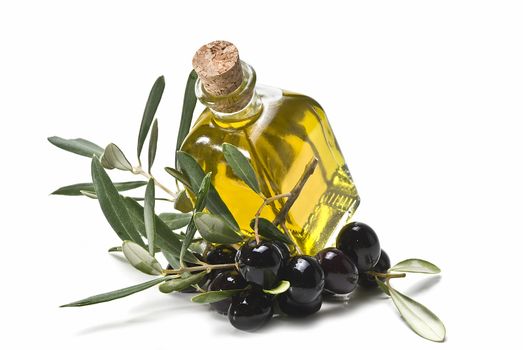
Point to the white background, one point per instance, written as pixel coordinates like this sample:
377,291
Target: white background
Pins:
424,97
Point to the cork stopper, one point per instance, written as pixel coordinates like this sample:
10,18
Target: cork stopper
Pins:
219,67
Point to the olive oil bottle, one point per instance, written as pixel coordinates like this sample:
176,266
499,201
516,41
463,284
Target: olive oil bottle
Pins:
281,132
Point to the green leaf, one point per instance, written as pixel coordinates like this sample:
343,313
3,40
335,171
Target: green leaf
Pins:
200,204
199,246
141,259
180,177
241,166
74,190
117,294
203,190
189,102
166,240
215,230
192,170
183,203
93,196
151,106
79,146
420,319
176,221
148,216
415,266
153,144
112,205
215,296
269,231
173,260
113,157
179,284
156,199
118,249
89,194
384,288
279,289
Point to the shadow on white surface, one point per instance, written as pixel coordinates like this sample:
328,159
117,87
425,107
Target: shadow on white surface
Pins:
147,312
422,286
158,309
119,257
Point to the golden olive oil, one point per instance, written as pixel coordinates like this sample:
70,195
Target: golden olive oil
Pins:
280,132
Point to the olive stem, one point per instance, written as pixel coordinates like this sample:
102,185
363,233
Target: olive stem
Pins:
286,230
139,171
386,275
177,185
291,198
295,192
197,268
199,289
258,212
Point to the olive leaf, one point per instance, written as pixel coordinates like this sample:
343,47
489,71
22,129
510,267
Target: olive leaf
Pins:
183,203
178,175
92,195
200,204
156,199
179,284
215,230
215,296
117,294
74,190
240,166
279,289
166,240
189,103
88,194
151,106
148,215
112,205
384,288
118,249
173,260
141,259
420,319
78,146
153,144
113,158
203,191
192,170
268,230
176,221
416,266
198,246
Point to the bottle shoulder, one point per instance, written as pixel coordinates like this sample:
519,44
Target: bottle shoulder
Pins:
271,94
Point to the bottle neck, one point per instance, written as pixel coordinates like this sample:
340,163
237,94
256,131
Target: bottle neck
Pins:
239,107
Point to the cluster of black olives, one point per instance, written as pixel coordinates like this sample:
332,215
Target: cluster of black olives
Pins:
333,271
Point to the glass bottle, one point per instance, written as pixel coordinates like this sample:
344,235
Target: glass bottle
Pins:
281,132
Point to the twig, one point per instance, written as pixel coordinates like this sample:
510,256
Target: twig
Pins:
309,169
138,170
258,212
197,268
293,195
291,198
386,275
288,234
